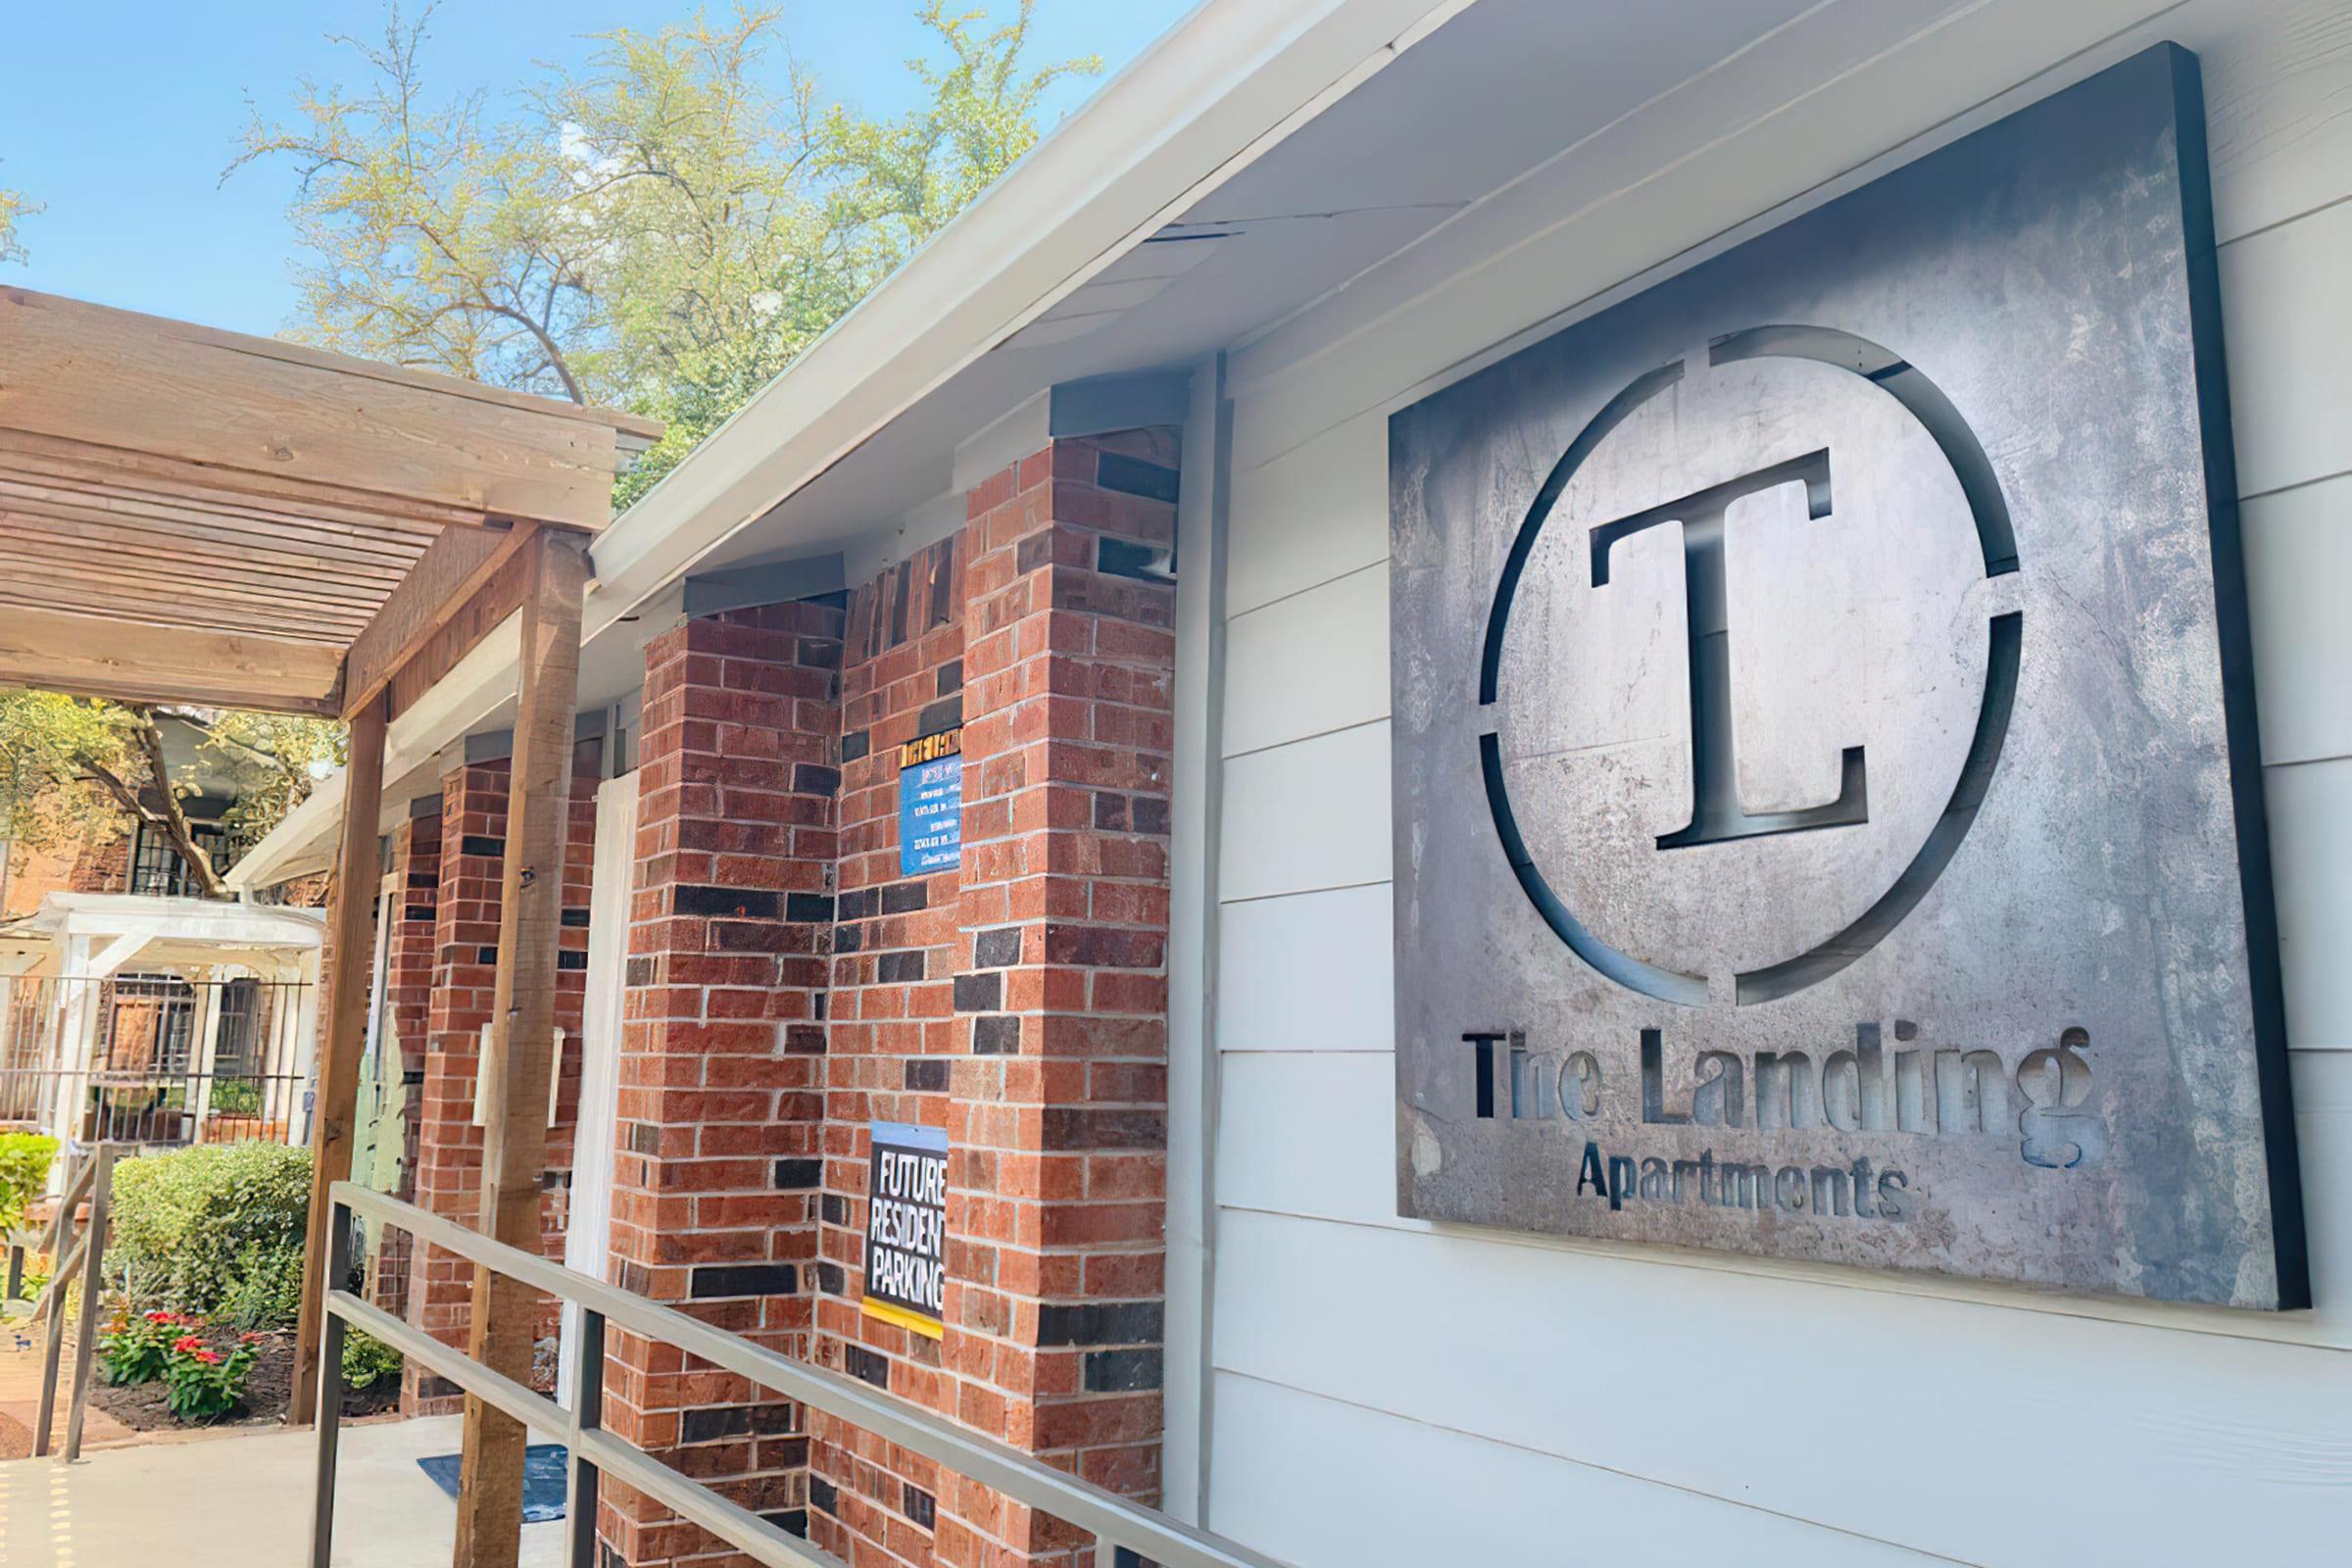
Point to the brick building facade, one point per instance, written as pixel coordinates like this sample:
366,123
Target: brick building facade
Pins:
788,983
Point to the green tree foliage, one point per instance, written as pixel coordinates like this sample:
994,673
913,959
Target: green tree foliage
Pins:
24,1160
663,228
14,209
81,768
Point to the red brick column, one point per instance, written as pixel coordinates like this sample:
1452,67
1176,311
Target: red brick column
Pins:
1050,1070
716,1169
1057,1188
894,1038
408,997
449,1146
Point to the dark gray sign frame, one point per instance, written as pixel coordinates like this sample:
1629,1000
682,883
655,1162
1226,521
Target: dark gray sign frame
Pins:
2040,299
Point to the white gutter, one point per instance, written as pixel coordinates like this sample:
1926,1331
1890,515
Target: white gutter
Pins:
1212,95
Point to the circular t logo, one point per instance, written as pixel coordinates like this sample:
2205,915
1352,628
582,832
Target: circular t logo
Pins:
1748,669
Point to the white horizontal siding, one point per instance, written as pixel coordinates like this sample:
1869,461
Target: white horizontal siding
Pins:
1309,815
2288,319
1970,1431
1313,971
1345,1173
2299,596
1314,662
1503,1397
1361,1488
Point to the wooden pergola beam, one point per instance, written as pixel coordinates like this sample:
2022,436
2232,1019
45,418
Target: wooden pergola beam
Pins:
520,1058
455,567
73,372
129,660
349,980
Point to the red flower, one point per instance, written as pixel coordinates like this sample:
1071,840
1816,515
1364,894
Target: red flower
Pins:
208,1357
161,1317
188,1345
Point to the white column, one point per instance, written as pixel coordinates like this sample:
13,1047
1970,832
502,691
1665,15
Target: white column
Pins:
208,1048
303,1028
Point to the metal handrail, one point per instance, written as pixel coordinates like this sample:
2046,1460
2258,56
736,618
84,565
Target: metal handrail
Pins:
1114,1521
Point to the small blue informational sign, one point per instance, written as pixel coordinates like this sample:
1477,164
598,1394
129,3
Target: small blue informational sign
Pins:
930,815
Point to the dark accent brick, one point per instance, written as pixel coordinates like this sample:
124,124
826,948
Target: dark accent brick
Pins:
640,970
892,969
1099,1323
792,1521
804,1040
831,1278
951,677
1110,813
848,938
822,1498
713,1422
928,1074
715,1280
483,844
834,1209
1033,552
795,1174
905,898
644,1137
808,906
568,960
979,992
749,936
856,744
577,918
1068,1127
1000,948
943,714
867,1366
1124,558
1121,1371
855,905
814,778
1152,815
1115,471
997,1035
919,1505
485,954
744,903
417,911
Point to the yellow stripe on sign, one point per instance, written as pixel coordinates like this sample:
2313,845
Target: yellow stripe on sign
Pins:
911,1322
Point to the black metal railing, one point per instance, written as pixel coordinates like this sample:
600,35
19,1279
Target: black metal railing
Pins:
157,1058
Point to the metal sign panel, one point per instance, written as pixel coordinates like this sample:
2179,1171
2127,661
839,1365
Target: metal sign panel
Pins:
1828,822
931,804
906,1226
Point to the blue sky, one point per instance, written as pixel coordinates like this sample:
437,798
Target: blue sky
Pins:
125,126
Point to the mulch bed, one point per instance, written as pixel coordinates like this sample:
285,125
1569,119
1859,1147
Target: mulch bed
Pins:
268,1389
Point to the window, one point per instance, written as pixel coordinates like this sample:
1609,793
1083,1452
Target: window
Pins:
156,866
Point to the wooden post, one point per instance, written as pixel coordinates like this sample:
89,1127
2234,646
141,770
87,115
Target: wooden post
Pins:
521,1045
356,874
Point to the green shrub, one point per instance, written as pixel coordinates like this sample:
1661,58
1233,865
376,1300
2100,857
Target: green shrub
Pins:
215,1229
24,1160
237,1097
367,1360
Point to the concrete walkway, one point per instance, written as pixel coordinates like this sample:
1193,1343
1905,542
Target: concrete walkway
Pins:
241,1503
